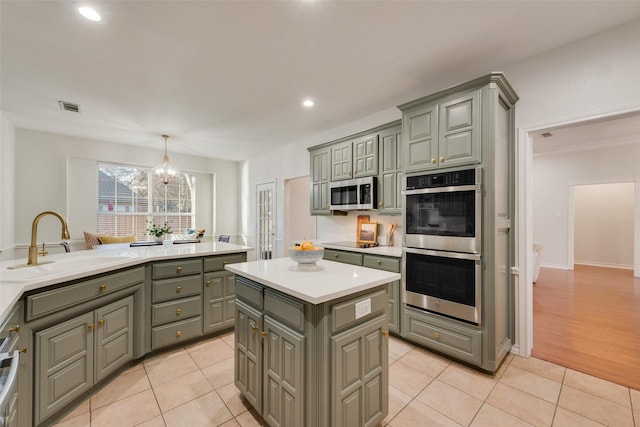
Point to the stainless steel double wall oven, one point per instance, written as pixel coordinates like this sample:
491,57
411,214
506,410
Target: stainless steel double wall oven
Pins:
441,258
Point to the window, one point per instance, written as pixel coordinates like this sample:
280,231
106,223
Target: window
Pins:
129,196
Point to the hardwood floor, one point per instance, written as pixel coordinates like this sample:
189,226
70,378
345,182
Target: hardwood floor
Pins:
588,320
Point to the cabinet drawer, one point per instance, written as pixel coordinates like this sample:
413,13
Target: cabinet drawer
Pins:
449,338
284,309
355,310
382,263
180,287
176,268
176,310
175,333
343,256
218,262
248,291
51,301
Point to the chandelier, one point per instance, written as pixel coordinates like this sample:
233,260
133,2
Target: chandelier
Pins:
165,172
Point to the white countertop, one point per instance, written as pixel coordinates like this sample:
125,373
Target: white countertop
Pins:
325,281
76,265
393,251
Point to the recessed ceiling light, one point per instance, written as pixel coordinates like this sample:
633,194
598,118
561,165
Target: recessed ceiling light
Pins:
89,13
308,103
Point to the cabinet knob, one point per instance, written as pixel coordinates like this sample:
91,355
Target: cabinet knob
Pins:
335,255
380,204
254,328
225,263
22,350
91,326
178,289
433,160
16,329
178,311
436,335
442,159
101,322
263,334
178,333
102,288
379,262
179,270
208,283
385,333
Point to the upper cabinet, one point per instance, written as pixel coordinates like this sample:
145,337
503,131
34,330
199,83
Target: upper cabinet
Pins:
442,133
365,156
390,174
355,158
320,173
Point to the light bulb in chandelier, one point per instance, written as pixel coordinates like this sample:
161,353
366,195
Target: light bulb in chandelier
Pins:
165,172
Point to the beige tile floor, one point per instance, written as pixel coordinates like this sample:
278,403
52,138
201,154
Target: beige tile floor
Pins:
193,386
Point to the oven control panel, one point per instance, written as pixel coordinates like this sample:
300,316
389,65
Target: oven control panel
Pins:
442,179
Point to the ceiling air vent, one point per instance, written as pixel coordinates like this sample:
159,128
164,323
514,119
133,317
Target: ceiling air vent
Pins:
546,134
68,106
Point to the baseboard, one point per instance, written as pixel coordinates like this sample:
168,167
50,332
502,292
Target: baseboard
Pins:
605,265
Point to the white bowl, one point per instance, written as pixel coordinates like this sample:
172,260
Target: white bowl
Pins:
306,257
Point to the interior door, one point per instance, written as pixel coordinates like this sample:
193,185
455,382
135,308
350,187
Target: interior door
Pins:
265,218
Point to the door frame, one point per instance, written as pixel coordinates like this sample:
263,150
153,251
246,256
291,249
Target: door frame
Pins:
269,185
523,271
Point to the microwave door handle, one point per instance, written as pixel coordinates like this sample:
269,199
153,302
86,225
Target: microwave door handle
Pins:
11,378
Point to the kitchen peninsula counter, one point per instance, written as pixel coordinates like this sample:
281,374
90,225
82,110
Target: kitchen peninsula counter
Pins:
77,265
311,342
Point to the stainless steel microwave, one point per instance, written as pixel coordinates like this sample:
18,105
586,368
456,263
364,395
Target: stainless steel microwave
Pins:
354,194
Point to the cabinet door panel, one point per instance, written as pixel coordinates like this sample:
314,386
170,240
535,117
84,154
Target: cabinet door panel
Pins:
219,300
365,156
459,140
360,374
63,364
320,175
341,161
114,337
248,362
283,374
421,138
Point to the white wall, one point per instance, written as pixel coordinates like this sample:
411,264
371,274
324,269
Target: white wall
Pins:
42,163
604,224
553,176
7,187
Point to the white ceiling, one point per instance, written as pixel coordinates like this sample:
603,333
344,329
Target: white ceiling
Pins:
226,78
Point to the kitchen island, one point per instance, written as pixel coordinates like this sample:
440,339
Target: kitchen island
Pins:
311,342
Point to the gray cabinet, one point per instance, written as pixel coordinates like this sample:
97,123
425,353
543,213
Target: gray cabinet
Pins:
341,161
380,263
71,356
360,374
390,172
305,364
176,296
283,375
320,176
442,133
219,292
248,353
365,156
444,335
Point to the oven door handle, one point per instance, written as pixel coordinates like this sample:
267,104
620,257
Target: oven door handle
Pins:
11,378
451,189
444,254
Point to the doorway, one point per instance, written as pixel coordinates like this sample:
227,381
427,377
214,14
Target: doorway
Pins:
299,224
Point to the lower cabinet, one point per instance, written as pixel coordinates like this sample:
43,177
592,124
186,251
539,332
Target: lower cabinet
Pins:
360,375
380,263
302,364
219,300
71,356
446,336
